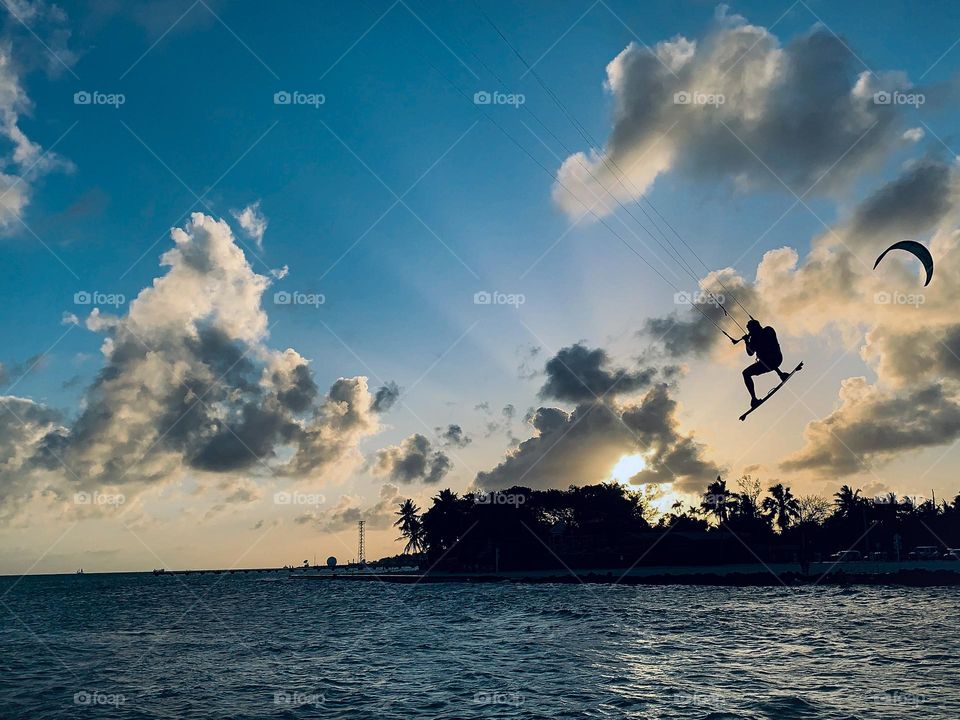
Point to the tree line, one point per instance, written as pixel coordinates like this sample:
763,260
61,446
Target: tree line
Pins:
610,525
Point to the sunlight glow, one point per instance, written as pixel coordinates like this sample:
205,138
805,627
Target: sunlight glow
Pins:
627,467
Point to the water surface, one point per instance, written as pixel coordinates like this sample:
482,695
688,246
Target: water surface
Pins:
245,646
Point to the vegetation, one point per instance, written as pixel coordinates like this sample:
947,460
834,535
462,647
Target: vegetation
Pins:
610,526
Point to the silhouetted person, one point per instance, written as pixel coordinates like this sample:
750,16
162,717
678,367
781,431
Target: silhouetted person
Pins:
762,342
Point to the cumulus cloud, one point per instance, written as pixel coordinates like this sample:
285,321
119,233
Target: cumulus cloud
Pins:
577,373
23,424
873,425
24,160
908,334
413,460
189,383
254,223
798,107
581,446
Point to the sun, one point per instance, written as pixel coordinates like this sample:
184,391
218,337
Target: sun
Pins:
660,497
627,467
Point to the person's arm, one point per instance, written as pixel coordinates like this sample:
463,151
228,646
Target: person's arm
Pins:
749,346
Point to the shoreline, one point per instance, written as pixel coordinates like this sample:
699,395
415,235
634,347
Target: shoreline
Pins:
917,574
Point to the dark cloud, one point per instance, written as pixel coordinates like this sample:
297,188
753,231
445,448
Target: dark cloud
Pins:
582,447
454,436
907,206
413,460
873,425
385,397
577,374
12,373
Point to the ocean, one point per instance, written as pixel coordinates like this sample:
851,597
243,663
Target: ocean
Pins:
263,646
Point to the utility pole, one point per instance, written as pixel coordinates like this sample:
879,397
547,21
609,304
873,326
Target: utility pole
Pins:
361,557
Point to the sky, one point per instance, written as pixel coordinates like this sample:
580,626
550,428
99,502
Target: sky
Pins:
269,269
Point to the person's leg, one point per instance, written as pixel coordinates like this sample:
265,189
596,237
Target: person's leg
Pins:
757,368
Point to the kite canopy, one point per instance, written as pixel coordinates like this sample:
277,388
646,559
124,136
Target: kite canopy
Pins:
918,250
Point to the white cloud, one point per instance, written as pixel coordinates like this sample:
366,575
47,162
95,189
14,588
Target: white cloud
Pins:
253,222
708,109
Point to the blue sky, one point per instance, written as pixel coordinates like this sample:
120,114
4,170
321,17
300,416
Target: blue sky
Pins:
198,119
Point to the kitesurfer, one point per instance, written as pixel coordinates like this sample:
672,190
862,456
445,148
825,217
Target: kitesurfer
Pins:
762,342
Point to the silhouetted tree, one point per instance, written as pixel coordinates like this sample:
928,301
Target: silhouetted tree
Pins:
848,501
782,507
411,526
718,500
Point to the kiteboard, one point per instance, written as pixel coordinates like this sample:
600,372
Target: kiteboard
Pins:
770,394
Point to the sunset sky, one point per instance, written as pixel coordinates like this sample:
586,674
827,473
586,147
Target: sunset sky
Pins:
242,258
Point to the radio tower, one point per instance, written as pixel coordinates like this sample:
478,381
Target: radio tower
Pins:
361,559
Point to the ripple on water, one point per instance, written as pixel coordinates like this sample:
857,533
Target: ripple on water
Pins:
278,649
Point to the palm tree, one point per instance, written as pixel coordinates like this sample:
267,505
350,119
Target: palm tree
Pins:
782,506
847,501
410,526
718,501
